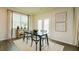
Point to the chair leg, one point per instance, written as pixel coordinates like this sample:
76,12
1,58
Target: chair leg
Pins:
36,46
31,42
47,39
42,42
23,38
27,39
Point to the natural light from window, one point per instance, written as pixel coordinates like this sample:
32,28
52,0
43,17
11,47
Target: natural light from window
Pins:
43,25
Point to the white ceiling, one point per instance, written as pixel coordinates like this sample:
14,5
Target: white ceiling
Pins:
32,10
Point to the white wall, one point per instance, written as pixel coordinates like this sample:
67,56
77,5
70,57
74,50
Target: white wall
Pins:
77,26
66,37
3,24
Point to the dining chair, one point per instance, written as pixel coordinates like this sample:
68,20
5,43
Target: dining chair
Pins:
28,36
35,39
44,37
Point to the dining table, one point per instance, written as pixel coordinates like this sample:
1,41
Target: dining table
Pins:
38,34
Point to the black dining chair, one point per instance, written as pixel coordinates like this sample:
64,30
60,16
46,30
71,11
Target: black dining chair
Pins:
27,36
35,39
44,37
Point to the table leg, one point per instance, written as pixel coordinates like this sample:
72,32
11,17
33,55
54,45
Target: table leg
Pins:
31,39
24,37
40,44
36,46
47,39
27,38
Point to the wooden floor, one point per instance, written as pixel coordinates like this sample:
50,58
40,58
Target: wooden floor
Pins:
20,45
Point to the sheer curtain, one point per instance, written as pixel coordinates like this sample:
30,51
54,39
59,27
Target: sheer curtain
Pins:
20,20
16,19
10,18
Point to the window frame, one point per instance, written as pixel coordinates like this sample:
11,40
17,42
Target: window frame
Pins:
20,19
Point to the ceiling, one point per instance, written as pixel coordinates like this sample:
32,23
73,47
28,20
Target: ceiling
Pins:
31,10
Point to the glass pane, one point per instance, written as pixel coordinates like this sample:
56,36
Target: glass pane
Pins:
24,21
39,25
19,20
16,20
46,25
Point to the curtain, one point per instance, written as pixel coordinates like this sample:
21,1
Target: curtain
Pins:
10,19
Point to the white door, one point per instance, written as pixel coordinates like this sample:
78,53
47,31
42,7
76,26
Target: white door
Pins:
40,25
43,24
46,25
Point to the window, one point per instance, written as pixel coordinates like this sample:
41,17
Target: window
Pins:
46,25
24,21
40,25
20,20
16,20
43,24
